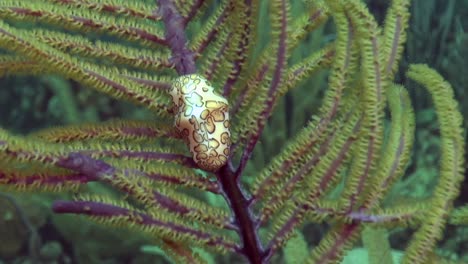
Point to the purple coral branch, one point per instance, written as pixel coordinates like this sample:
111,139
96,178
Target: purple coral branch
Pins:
308,203
41,180
141,61
184,62
361,216
95,170
259,78
275,83
202,183
98,170
288,187
212,34
115,129
153,85
111,8
98,209
216,63
141,98
193,11
241,50
291,223
182,57
342,236
144,155
244,218
90,23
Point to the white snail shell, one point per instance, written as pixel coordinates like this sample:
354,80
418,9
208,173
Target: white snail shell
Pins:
202,119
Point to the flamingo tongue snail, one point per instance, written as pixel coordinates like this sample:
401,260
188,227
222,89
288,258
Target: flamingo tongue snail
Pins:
202,119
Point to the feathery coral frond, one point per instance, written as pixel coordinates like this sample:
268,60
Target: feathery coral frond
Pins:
338,169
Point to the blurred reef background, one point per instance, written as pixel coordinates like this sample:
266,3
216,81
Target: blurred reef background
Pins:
438,36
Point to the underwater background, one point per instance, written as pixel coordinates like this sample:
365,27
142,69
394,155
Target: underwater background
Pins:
31,233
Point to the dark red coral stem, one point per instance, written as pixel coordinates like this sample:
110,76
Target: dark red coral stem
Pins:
245,220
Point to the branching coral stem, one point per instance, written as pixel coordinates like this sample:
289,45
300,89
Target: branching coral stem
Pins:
245,220
182,57
183,60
